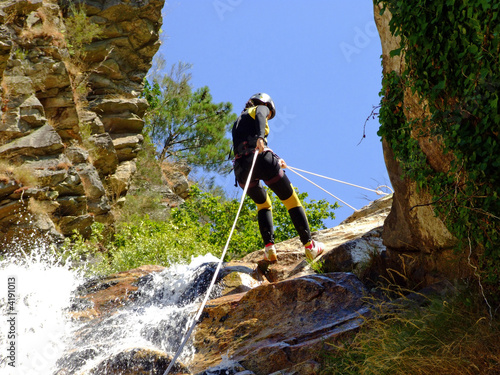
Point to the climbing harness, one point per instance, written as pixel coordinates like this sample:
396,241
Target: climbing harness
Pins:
378,190
219,265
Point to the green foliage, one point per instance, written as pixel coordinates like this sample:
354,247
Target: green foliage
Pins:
212,217
186,124
86,253
144,200
80,31
137,243
155,242
445,336
451,50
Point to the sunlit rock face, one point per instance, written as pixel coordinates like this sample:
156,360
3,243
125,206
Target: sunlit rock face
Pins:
71,115
417,241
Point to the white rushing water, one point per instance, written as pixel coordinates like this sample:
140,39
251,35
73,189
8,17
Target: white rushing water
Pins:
37,334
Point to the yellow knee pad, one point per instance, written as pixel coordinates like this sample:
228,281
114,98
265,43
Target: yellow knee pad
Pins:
265,205
292,202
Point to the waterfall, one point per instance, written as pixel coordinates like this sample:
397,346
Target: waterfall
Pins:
47,339
33,323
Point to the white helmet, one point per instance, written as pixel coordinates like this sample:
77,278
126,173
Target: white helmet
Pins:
262,98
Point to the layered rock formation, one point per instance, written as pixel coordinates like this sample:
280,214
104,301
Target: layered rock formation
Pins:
72,119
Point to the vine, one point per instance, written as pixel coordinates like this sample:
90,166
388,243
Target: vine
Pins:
451,51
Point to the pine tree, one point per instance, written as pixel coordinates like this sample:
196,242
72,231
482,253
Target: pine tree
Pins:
185,124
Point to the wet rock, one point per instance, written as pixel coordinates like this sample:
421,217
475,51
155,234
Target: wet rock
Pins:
138,361
108,294
226,368
8,187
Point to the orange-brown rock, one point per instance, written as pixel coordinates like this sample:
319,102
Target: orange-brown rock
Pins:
105,296
287,322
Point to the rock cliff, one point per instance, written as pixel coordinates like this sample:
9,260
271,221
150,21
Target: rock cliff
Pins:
417,241
71,113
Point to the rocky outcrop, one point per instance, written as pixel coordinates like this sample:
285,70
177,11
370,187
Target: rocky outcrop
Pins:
72,118
417,240
263,317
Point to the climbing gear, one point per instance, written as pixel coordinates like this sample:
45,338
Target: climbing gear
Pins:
216,273
314,249
270,253
265,100
378,191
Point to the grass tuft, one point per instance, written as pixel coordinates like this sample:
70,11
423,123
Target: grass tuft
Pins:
452,335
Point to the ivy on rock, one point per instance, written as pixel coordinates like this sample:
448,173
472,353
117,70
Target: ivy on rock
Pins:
451,51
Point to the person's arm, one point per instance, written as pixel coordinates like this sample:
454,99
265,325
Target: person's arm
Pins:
261,114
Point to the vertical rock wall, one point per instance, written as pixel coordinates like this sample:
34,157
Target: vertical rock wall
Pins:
71,120
418,243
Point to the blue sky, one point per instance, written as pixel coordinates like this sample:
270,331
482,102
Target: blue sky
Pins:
320,62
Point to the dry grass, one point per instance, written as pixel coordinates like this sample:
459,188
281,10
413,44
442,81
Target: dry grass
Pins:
41,207
47,30
452,335
19,173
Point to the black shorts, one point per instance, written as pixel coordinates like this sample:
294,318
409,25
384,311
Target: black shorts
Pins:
267,168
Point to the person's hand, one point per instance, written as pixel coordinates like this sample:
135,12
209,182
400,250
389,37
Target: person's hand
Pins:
282,163
260,145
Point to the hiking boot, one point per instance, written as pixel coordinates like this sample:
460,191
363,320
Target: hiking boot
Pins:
314,249
270,253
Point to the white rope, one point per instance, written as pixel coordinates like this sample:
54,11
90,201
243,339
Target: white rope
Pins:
377,191
326,191
207,295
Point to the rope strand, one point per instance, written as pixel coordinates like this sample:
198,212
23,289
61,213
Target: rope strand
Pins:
326,191
377,191
214,278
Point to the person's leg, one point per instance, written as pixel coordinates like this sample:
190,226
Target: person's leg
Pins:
259,195
264,212
284,190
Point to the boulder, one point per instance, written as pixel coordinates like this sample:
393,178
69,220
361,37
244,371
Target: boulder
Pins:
287,323
77,155
94,189
118,183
